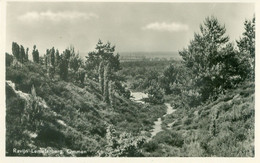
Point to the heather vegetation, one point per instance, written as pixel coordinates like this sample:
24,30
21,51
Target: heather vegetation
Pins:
60,102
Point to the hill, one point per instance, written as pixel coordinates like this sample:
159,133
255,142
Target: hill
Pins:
220,128
67,118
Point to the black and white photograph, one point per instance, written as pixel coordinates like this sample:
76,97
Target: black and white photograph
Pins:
129,79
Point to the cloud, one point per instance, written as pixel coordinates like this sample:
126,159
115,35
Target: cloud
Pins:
170,27
56,16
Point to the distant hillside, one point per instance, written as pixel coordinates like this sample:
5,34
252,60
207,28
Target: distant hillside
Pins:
150,55
168,55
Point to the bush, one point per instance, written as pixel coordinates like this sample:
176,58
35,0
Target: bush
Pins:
170,138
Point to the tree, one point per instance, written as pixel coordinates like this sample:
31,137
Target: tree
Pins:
168,77
108,55
75,62
35,54
101,76
67,54
22,54
205,58
8,59
46,61
57,58
52,56
27,54
121,89
155,93
81,74
107,76
16,50
151,75
63,67
104,52
246,45
52,62
72,50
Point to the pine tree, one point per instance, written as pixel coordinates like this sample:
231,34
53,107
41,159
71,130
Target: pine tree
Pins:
27,54
57,58
81,74
67,54
107,74
104,52
22,54
52,62
247,42
206,59
246,46
100,48
75,62
101,76
63,67
168,77
46,61
35,54
52,56
16,50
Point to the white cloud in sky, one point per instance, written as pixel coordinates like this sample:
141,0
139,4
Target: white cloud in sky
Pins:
56,16
170,27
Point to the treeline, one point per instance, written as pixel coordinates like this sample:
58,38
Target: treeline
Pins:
100,65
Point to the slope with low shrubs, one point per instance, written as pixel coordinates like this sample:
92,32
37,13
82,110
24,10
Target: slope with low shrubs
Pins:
72,115
221,128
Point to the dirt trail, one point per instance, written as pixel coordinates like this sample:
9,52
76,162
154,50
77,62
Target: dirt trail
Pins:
138,96
158,124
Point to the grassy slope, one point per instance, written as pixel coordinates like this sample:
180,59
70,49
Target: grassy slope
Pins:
224,127
79,106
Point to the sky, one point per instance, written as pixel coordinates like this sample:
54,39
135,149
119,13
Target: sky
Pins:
142,27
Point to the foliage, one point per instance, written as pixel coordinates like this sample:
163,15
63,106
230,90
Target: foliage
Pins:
63,66
123,145
35,55
8,59
155,93
57,57
74,115
246,45
22,54
107,78
75,62
16,50
101,76
211,90
218,128
104,52
138,74
27,54
214,63
19,52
